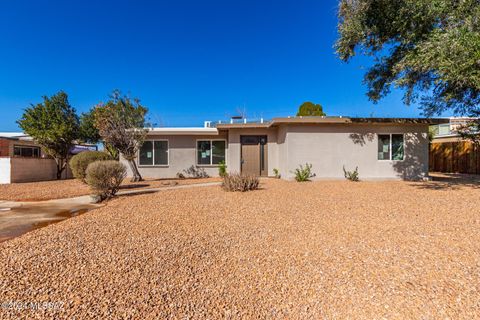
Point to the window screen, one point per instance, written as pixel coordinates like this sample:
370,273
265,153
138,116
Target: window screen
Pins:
160,152
218,151
397,147
210,152
383,147
203,152
146,154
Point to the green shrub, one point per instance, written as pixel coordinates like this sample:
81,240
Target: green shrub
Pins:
222,169
240,182
80,162
304,173
105,177
277,173
352,176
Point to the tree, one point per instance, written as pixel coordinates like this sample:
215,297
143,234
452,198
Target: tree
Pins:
121,124
310,109
88,132
429,48
54,125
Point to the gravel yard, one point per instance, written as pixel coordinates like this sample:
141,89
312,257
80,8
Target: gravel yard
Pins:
328,249
48,190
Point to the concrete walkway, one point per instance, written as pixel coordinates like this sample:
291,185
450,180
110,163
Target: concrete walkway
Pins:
19,217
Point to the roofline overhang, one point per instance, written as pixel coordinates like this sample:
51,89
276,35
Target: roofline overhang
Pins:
183,131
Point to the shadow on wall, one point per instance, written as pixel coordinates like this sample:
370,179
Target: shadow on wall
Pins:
415,163
362,138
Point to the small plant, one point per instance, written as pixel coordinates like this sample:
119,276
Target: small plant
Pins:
180,175
276,173
352,176
195,173
304,173
105,178
240,182
80,162
222,169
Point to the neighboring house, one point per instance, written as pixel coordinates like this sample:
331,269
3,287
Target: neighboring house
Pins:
447,132
452,153
22,160
382,148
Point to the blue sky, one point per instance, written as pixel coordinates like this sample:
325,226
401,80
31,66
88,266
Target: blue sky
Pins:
188,61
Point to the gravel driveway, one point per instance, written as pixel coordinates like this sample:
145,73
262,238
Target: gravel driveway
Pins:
330,250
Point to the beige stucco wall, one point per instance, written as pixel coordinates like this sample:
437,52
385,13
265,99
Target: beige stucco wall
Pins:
330,147
182,154
234,150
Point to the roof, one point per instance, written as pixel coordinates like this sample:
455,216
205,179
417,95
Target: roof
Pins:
183,131
333,120
15,136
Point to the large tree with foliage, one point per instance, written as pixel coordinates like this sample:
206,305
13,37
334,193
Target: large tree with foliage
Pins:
121,124
89,132
54,125
310,109
429,48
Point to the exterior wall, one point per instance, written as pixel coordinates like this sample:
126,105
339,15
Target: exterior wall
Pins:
330,147
5,170
234,148
182,153
34,169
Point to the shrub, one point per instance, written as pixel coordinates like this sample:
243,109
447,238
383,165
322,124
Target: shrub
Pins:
352,176
196,173
80,162
222,169
240,182
105,177
304,173
277,173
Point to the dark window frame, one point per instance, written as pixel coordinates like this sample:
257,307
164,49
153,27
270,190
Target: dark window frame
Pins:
153,154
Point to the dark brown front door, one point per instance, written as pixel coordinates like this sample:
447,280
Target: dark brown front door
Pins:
254,155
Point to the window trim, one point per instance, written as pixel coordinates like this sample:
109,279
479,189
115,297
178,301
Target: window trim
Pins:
211,153
153,154
27,146
391,146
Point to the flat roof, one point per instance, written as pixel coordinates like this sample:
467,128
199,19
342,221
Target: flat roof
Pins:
183,131
333,120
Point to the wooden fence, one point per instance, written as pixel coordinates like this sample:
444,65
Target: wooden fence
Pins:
455,157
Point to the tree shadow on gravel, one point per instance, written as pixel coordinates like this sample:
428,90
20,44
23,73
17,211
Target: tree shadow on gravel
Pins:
450,181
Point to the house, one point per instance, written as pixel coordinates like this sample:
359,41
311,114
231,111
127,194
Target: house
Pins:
451,152
22,160
381,148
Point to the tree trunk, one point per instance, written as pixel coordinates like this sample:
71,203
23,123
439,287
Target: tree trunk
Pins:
136,174
60,167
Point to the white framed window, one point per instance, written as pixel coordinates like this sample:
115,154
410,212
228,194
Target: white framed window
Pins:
391,146
154,153
211,152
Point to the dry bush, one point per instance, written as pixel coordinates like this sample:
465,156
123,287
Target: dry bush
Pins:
105,178
240,182
80,162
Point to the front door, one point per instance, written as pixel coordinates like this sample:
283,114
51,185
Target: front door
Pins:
254,155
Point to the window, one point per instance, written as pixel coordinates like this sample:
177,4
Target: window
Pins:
390,147
210,152
26,151
154,153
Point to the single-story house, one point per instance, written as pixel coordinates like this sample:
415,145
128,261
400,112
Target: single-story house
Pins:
22,160
381,148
